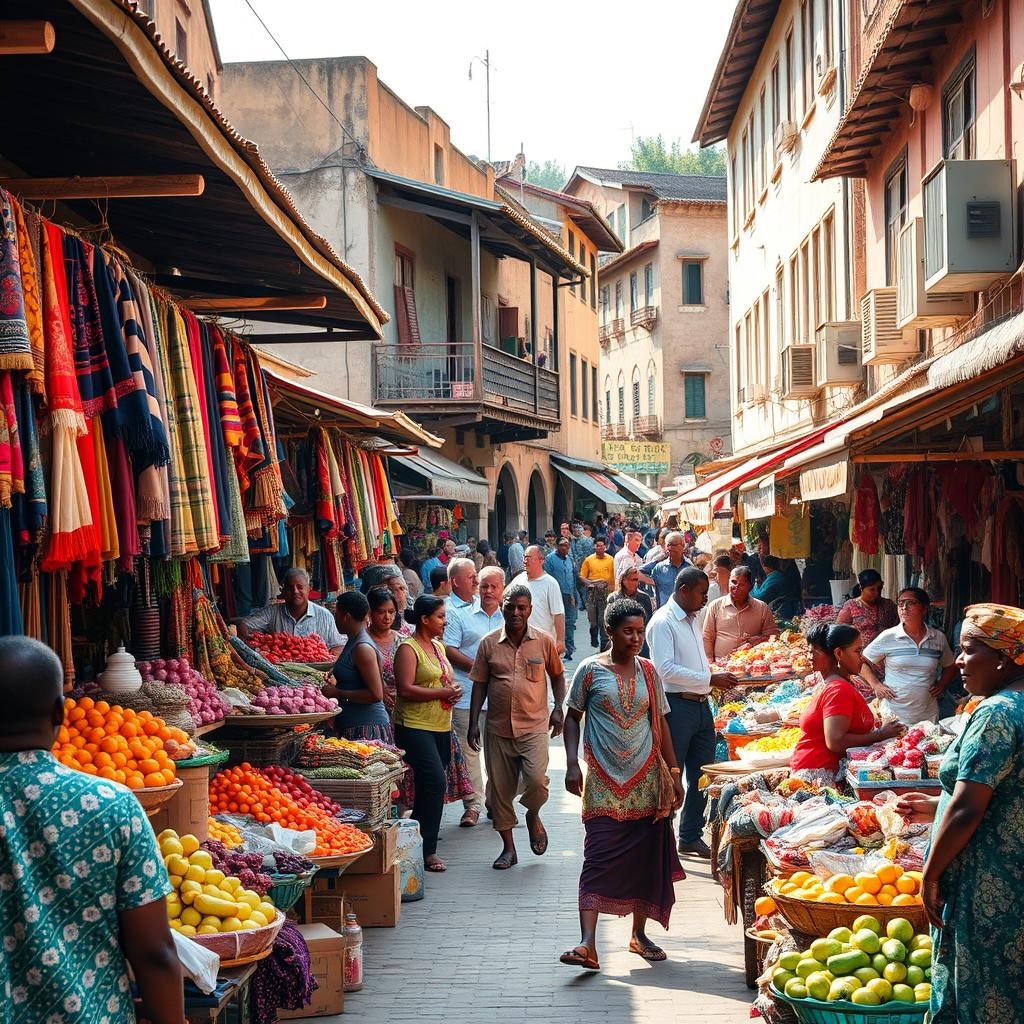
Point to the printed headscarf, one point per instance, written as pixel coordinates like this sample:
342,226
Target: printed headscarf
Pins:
1000,626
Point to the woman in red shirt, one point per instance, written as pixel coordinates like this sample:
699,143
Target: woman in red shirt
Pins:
838,717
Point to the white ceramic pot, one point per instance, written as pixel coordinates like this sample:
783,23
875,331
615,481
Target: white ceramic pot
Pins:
121,675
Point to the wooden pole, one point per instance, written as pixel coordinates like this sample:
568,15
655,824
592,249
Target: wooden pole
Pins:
18,37
533,335
475,285
937,457
257,302
133,186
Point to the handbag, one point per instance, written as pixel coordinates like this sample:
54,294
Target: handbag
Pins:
664,787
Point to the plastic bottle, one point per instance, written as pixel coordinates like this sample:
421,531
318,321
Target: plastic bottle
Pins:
353,954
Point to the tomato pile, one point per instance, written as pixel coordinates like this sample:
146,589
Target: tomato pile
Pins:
251,791
116,743
298,788
279,647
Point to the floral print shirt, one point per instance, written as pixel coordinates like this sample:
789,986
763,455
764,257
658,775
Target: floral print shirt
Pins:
75,851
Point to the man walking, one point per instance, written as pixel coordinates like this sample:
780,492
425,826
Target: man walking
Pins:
509,673
465,626
559,566
663,570
598,573
516,554
580,548
677,650
628,557
548,614
737,618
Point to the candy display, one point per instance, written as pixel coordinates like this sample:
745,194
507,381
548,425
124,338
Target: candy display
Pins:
780,658
784,739
282,647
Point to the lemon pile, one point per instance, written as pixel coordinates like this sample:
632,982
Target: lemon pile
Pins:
784,739
887,886
205,901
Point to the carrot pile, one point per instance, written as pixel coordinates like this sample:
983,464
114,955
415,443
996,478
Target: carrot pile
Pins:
247,790
116,743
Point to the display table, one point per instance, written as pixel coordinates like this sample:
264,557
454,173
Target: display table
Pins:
232,991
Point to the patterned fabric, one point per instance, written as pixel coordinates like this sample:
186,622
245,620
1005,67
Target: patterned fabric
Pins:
15,350
30,293
1000,626
978,970
92,367
870,621
75,852
622,782
225,384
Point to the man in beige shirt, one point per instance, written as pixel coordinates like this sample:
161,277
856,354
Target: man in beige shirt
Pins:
509,673
737,618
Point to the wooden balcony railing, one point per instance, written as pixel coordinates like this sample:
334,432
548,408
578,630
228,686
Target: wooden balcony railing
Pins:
646,316
618,326
647,426
604,334
614,432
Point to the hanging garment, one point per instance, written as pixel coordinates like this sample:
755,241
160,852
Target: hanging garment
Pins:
95,382
789,533
236,549
31,608
250,451
216,446
30,508
195,349
892,507
10,601
109,548
224,382
125,511
12,470
15,347
28,262
864,526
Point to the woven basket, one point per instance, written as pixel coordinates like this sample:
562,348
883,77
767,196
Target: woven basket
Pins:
820,918
261,749
154,797
371,796
285,890
813,1011
242,945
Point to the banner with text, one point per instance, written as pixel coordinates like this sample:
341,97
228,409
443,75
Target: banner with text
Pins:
635,457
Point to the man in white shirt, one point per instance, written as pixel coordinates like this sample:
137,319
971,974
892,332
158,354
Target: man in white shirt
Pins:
296,614
548,614
628,557
677,649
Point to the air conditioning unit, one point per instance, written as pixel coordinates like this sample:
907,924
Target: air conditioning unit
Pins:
785,136
881,340
838,360
799,379
968,225
915,307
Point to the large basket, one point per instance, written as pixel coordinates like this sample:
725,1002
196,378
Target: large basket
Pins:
153,798
274,747
372,796
242,944
816,919
814,1011
285,890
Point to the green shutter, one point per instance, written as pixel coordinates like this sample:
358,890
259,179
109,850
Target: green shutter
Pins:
693,385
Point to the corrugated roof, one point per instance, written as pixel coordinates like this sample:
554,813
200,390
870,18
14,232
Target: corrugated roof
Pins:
699,188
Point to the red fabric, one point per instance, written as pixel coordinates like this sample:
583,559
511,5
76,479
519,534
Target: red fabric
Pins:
837,697
866,516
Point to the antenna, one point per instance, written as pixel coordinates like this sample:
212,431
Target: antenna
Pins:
486,61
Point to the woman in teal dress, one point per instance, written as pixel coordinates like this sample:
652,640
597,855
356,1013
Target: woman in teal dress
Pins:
974,875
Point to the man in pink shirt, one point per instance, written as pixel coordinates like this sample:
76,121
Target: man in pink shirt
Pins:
737,618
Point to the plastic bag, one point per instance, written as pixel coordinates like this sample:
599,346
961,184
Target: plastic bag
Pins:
257,838
409,859
197,962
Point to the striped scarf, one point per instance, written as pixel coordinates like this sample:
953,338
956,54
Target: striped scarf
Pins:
95,381
15,348
230,422
27,257
250,451
12,468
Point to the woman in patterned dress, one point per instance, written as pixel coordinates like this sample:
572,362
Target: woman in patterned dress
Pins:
867,611
974,873
632,787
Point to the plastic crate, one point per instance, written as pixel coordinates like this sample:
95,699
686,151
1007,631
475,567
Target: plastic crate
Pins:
814,1011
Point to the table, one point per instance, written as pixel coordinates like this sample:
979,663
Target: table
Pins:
232,990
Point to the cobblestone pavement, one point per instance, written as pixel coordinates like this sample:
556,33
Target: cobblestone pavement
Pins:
485,942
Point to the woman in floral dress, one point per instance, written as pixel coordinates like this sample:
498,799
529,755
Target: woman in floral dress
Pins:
974,873
867,611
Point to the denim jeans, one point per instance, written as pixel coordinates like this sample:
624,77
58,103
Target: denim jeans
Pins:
693,739
571,612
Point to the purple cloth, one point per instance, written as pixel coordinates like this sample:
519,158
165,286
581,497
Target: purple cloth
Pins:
284,980
629,867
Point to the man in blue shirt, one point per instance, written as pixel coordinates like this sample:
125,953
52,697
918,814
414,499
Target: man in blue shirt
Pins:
516,553
580,547
428,565
665,569
465,626
559,565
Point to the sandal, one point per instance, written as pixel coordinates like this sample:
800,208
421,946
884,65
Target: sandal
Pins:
505,860
435,864
580,956
652,954
469,818
539,841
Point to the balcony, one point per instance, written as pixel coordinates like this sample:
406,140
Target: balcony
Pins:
618,326
647,427
645,316
512,399
614,432
604,335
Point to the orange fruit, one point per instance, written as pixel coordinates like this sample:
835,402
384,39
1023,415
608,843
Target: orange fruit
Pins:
903,900
906,885
839,883
886,872
799,877
884,899
889,890
134,781
869,881
853,894
866,899
85,703
831,897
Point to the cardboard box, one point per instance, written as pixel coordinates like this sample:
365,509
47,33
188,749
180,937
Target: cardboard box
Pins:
382,856
327,951
374,899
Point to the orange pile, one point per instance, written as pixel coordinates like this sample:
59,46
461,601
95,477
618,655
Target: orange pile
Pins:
887,886
246,790
116,743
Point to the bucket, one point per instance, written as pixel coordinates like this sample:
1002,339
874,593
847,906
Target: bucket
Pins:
840,588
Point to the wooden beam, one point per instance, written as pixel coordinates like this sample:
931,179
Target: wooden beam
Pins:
140,186
439,212
237,304
19,37
938,457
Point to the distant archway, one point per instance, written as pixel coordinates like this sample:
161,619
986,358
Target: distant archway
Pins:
538,514
504,516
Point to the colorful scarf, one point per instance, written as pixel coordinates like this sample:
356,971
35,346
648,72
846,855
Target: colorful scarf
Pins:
92,368
28,261
250,451
63,402
29,508
194,334
109,547
225,384
15,347
125,513
222,467
1000,627
236,548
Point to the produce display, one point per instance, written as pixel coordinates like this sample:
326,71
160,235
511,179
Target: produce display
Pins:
783,740
887,885
903,758
866,965
299,789
289,863
780,658
283,700
249,791
247,867
206,900
205,704
119,744
224,833
281,647
323,757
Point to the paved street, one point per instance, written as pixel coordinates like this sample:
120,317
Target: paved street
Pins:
484,941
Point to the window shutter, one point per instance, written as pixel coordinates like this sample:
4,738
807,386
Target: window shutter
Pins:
405,311
508,321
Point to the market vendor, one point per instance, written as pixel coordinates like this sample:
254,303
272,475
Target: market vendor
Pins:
918,662
295,614
837,717
737,618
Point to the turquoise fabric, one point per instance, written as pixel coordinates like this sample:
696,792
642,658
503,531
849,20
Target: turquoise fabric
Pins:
75,851
978,968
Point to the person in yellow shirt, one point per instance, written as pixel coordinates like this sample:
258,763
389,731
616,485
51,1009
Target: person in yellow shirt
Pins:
598,575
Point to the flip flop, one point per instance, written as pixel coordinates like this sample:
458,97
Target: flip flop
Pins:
539,841
652,954
575,958
436,865
505,860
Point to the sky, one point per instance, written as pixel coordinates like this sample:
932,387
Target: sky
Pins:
569,82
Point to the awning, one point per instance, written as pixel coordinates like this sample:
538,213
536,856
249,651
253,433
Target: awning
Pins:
444,479
634,490
594,485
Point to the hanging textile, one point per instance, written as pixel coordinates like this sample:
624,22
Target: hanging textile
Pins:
892,508
192,333
29,508
224,381
58,624
216,445
92,368
864,525
10,600
789,533
236,550
28,263
15,347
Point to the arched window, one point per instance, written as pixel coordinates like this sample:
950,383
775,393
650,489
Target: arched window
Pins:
607,399
621,384
652,388
635,393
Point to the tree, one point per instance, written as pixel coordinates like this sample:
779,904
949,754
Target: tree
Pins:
649,153
549,174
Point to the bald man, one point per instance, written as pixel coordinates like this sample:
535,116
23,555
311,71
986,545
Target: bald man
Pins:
548,613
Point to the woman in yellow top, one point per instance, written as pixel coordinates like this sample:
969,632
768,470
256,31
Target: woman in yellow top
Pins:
427,690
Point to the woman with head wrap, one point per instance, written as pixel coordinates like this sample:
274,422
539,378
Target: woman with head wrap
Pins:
974,873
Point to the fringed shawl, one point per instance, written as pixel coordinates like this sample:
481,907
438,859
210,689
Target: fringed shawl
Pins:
15,350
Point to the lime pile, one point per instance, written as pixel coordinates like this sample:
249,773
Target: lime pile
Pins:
867,965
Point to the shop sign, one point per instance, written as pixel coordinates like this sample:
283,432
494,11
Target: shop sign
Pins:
635,457
760,502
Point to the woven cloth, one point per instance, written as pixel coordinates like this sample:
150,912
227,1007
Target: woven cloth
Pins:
28,246
15,350
95,381
999,626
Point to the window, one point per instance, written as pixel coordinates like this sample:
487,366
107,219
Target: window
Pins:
828,258
735,196
745,165
180,42
622,401
776,98
646,209
826,32
583,263
634,301
807,52
585,388
649,284
815,280
895,212
572,384
605,304
693,390
652,382
766,359
764,133
618,299
593,394
438,165
571,246
740,390
406,318
805,284
607,404
780,308
621,217
958,112
794,301
755,347
636,395
748,358
790,76
593,282
693,283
